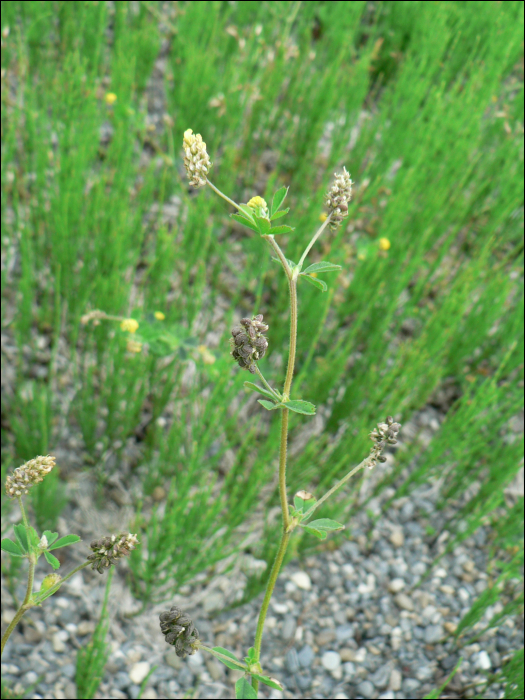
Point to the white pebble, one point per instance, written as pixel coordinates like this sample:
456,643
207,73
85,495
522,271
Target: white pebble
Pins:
301,580
139,671
280,608
396,585
483,661
397,538
331,660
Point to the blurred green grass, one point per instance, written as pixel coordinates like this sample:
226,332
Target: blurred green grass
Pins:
423,103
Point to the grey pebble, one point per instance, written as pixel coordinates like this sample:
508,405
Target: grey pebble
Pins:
68,670
366,689
344,632
303,680
306,656
185,677
289,626
381,677
433,633
292,660
410,685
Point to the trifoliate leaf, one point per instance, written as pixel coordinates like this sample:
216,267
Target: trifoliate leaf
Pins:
272,682
52,560
278,214
11,547
268,405
278,199
322,267
64,541
231,662
245,222
244,689
321,534
326,524
263,225
255,387
305,407
281,229
21,536
317,283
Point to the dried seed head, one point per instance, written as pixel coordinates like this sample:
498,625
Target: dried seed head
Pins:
29,474
108,550
337,198
385,434
179,631
196,159
248,342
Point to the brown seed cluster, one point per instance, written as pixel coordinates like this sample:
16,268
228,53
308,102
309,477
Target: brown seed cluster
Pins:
338,197
248,342
385,434
108,550
179,631
29,474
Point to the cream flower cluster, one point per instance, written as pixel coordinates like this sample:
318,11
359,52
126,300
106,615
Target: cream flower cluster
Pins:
196,159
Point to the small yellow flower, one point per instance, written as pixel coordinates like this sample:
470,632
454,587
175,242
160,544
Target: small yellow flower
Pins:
257,202
207,356
159,315
133,346
384,244
130,325
361,256
323,217
110,98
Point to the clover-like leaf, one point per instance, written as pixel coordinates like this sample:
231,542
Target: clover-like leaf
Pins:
247,211
244,689
322,267
321,534
50,537
255,387
304,407
278,199
281,229
317,283
21,536
303,500
252,656
64,541
326,524
278,214
272,682
245,222
12,548
52,560
268,405
263,225
231,661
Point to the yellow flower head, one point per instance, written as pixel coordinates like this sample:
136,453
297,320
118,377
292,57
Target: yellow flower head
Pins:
133,346
159,315
323,217
110,98
259,206
384,244
130,325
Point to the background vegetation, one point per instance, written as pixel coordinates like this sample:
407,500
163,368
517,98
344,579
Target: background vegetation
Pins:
423,102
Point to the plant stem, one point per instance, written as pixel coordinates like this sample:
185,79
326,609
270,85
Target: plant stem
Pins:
263,380
221,194
285,536
364,463
25,604
284,262
316,236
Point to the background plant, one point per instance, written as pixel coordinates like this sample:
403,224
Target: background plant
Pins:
424,100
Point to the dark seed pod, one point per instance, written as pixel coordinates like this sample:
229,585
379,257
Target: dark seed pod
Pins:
248,342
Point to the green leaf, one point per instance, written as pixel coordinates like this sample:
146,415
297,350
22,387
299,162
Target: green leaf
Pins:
268,405
235,664
12,547
278,199
321,534
244,222
301,503
33,537
64,541
317,283
247,211
263,225
21,536
326,524
244,689
50,536
281,229
256,387
278,214
51,560
291,264
252,656
322,267
272,682
304,407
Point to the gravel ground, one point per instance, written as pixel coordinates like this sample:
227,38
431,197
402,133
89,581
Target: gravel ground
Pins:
349,623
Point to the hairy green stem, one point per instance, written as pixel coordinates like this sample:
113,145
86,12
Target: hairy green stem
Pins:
221,194
316,236
263,380
25,604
